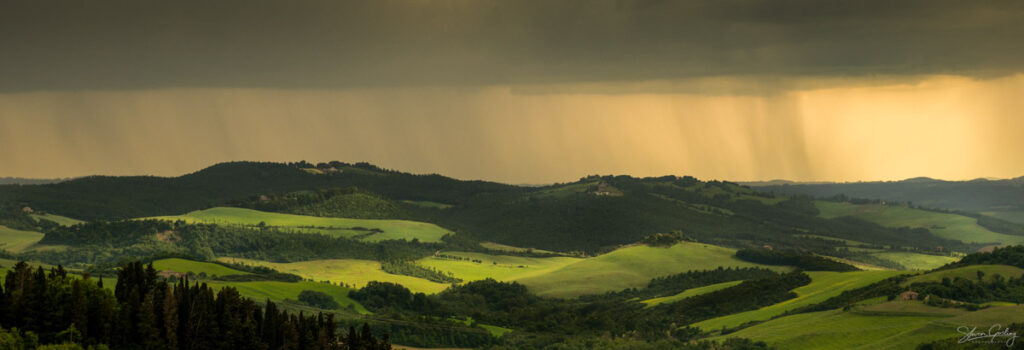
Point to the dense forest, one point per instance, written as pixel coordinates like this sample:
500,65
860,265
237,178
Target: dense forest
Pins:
145,312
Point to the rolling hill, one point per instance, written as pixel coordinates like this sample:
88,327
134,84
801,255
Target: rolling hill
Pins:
949,226
824,285
16,241
364,229
1000,198
630,267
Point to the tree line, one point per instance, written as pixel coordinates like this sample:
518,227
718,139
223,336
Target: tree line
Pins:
145,312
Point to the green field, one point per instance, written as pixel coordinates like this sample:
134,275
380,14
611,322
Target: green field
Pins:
915,261
824,285
351,272
689,293
196,267
508,248
498,267
279,291
893,325
969,272
1012,216
632,266
339,227
16,241
62,220
259,290
949,226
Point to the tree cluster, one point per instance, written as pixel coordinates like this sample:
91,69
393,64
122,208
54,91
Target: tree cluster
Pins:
144,312
804,261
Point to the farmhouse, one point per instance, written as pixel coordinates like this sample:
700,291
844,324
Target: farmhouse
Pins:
27,210
908,295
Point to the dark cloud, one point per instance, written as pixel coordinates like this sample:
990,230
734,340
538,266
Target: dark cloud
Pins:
124,44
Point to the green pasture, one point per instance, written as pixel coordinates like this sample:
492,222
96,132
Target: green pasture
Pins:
339,227
351,272
629,267
824,285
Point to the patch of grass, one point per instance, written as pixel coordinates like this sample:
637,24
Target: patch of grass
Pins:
908,308
17,241
857,264
1012,216
508,248
352,272
968,272
689,293
498,267
949,226
61,220
279,291
833,329
891,327
338,227
824,285
632,266
196,267
916,261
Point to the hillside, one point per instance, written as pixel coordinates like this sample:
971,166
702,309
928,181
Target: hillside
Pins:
824,285
949,226
593,215
1000,198
363,229
630,267
107,197
887,326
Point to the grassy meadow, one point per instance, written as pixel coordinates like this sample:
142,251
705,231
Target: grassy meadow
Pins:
824,285
16,241
338,227
350,272
62,220
969,272
891,325
916,261
280,291
498,267
631,266
689,293
196,267
257,290
949,226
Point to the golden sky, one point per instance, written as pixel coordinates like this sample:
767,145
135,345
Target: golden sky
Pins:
520,91
945,127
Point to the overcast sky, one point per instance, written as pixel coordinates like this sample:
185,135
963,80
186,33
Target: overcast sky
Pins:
516,91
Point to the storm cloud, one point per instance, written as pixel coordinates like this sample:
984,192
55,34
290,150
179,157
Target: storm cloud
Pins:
329,44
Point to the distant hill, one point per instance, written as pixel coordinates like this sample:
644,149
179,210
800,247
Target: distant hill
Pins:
109,197
594,214
999,198
25,181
